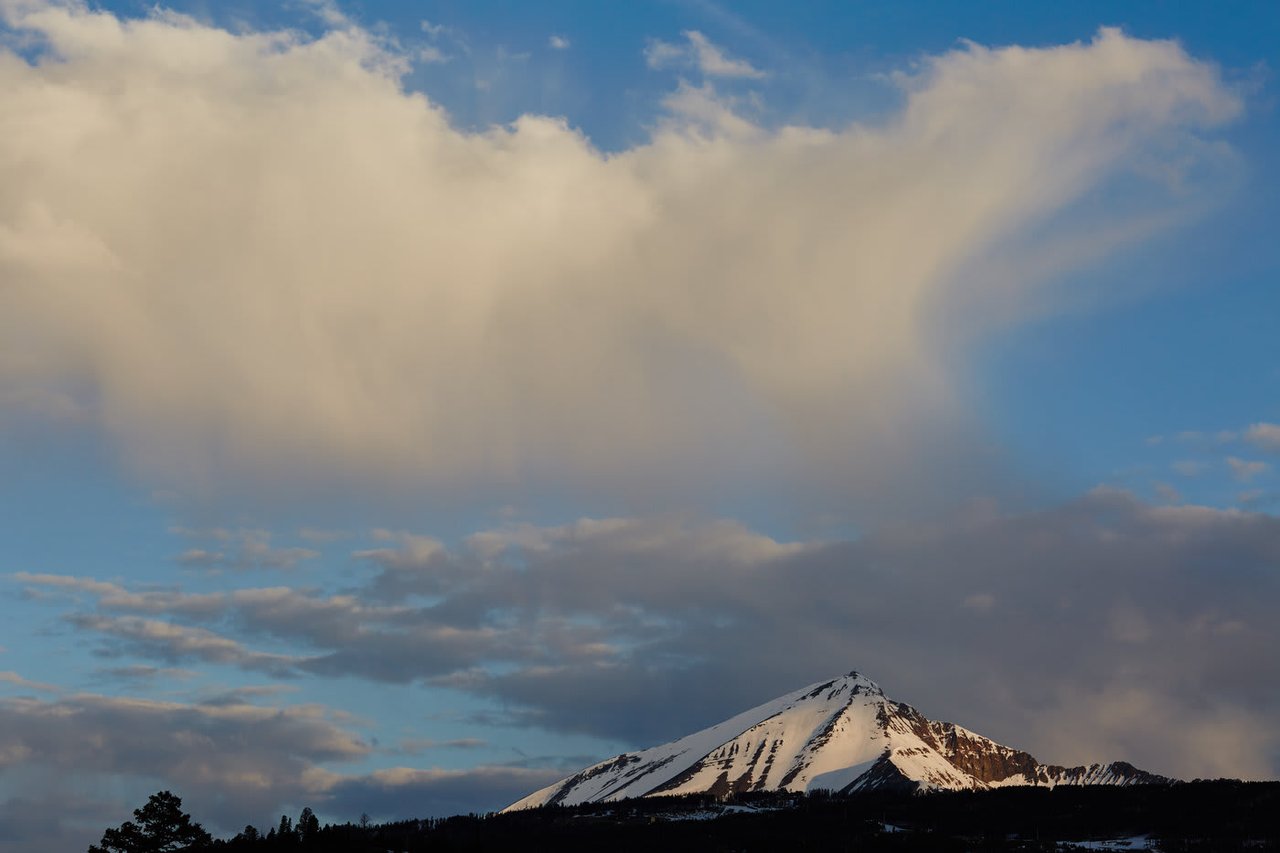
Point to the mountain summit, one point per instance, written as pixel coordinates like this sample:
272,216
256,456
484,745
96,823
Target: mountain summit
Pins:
842,735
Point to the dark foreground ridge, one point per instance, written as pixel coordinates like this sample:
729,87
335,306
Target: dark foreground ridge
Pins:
1223,815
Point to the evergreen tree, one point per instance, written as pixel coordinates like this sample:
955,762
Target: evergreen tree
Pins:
308,825
158,827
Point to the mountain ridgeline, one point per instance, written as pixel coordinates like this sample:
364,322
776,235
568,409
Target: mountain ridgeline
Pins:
842,735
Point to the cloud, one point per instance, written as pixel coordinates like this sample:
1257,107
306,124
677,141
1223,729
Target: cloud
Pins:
662,54
412,551
438,34
1159,621
322,535
700,53
113,596
46,405
982,602
432,55
242,549
102,589
417,565
1218,739
1189,467
10,677
1245,470
403,791
413,746
558,42
1193,436
141,676
1264,436
229,760
317,275
233,762
1258,499
713,62
329,12
1128,600
177,643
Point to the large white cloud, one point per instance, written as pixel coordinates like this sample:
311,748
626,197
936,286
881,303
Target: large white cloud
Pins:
258,252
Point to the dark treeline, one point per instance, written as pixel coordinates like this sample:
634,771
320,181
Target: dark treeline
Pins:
1187,818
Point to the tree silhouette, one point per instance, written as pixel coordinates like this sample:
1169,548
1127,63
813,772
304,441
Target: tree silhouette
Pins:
308,826
158,827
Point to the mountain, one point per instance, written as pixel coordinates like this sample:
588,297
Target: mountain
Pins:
842,735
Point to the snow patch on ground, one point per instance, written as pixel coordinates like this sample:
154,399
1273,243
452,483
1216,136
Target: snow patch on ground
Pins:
1137,842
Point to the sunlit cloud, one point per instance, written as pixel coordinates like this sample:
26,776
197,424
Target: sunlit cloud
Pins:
1245,470
700,53
1265,436
318,275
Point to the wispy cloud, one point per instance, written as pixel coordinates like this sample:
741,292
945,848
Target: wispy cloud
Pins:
1189,467
1245,470
239,549
167,641
432,55
442,43
330,12
700,53
1197,437
417,746
143,675
12,678
1265,436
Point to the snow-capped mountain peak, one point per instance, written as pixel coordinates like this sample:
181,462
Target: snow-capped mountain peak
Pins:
842,735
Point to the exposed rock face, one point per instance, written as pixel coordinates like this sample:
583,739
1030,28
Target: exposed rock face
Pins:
978,756
841,735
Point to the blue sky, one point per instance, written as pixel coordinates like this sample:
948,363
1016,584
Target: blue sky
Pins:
404,404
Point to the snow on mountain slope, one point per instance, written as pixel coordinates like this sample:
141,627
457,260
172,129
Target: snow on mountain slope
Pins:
841,735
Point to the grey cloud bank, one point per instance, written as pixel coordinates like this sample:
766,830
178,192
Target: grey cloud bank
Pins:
233,761
1105,627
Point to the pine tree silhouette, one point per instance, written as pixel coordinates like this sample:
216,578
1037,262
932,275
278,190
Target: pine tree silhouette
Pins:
158,827
308,826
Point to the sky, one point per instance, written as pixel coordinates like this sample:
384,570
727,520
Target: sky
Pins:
403,405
